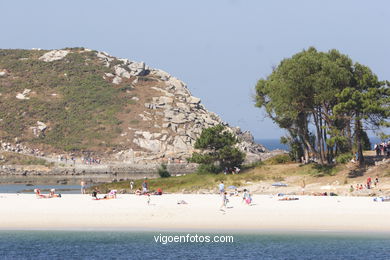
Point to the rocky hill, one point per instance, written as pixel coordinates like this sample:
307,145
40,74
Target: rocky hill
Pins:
79,101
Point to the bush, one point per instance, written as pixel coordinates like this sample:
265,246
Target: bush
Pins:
344,158
208,168
253,165
163,172
319,170
278,159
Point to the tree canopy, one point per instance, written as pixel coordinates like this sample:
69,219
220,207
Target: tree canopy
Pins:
325,102
217,150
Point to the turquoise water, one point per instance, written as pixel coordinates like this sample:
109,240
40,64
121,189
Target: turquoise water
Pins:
142,245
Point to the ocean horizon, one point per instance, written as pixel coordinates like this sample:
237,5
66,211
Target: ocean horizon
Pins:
274,143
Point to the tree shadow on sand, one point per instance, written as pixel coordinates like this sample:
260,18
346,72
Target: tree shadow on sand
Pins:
358,172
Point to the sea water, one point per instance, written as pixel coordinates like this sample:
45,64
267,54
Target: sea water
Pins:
22,188
273,144
143,245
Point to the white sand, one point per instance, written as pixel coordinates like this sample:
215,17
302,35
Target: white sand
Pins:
202,212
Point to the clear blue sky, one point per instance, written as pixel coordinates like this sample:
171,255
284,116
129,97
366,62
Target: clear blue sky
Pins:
220,48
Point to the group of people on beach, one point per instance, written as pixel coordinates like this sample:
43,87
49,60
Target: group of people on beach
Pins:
145,189
382,149
369,185
234,170
110,195
64,158
85,160
246,198
90,160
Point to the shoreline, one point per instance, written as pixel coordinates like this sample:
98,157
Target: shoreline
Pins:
202,213
338,232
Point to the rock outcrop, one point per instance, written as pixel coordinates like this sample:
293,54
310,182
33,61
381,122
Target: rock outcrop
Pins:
160,119
54,55
182,116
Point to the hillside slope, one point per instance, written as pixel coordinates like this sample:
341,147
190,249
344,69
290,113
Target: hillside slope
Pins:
78,101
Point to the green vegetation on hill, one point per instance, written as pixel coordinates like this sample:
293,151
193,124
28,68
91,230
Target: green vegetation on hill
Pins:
9,158
69,95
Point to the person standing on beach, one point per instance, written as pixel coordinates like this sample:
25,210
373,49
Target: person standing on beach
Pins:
224,201
247,197
369,183
131,185
82,184
376,181
221,188
145,186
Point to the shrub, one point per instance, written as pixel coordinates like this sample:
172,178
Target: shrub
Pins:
253,165
319,170
208,168
344,158
163,172
279,159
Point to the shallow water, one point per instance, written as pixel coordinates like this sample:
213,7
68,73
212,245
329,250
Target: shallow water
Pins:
22,188
137,245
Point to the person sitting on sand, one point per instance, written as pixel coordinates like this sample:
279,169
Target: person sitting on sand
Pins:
95,193
158,192
234,193
376,181
138,192
53,195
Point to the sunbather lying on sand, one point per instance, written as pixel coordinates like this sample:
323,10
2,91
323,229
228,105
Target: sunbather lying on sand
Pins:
289,198
50,195
110,195
382,199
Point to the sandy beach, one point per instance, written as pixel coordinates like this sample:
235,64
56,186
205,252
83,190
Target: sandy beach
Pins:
128,212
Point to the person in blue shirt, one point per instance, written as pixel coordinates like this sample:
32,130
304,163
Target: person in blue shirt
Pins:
221,188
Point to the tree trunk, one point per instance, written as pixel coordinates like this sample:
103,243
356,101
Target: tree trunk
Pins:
317,119
349,135
304,134
358,136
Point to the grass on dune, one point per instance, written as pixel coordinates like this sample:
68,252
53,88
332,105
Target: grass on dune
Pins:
197,182
274,169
